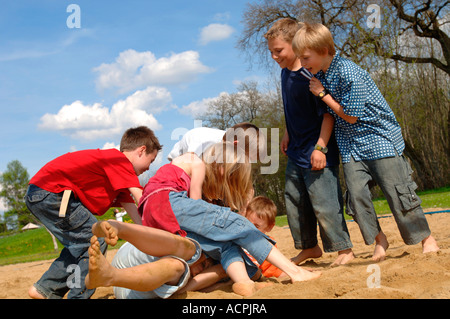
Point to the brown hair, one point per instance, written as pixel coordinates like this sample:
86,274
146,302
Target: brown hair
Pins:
138,136
284,28
264,208
314,36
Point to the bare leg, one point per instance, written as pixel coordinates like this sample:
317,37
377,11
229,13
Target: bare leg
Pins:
152,241
429,245
381,245
314,252
344,256
144,277
243,285
294,272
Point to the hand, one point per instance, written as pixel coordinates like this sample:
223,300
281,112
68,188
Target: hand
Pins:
318,160
315,86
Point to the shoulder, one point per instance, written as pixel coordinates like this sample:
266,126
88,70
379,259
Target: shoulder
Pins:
190,163
114,156
188,160
349,70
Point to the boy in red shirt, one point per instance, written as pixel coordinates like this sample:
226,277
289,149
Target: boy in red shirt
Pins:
66,193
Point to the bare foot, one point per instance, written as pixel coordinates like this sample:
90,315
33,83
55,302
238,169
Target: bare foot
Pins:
33,293
305,275
429,245
344,256
248,288
314,252
381,246
100,271
107,230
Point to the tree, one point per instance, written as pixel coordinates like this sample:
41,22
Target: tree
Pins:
14,183
354,34
427,19
230,109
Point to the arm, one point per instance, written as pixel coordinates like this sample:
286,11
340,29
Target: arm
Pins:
196,169
132,211
318,158
131,208
206,278
197,177
316,87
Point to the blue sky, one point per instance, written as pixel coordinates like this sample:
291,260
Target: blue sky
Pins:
130,63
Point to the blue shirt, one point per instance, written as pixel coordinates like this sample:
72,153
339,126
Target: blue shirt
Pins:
376,133
303,115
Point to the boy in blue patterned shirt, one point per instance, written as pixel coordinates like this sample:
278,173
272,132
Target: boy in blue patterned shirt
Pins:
369,139
312,189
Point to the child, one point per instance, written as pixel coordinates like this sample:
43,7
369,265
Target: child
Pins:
147,251
369,139
119,215
312,191
197,140
69,190
172,201
261,212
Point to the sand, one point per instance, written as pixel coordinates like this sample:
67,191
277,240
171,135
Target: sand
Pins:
406,273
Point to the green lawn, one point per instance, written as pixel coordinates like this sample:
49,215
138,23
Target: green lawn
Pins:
430,199
36,244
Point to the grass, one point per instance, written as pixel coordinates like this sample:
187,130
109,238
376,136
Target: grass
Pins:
36,244
430,199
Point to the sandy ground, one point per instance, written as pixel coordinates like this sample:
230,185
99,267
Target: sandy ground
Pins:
405,274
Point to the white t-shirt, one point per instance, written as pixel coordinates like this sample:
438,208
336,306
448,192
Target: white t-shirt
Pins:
196,141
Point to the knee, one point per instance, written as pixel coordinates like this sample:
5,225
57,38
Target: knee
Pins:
176,265
186,248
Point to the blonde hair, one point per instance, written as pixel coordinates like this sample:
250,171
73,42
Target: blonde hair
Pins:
284,28
228,175
264,208
314,36
249,139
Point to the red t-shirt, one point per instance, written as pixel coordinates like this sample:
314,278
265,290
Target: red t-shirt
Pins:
154,206
99,178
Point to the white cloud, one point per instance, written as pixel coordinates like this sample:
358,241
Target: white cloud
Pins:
198,108
133,70
109,145
90,122
215,32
